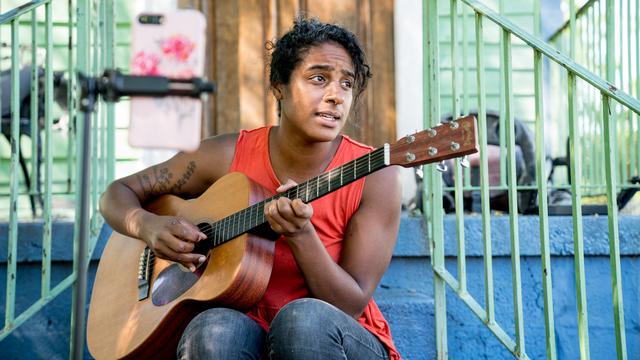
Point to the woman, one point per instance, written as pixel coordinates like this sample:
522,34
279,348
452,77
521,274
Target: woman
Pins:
331,254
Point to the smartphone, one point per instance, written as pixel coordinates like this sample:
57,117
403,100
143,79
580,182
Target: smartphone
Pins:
167,44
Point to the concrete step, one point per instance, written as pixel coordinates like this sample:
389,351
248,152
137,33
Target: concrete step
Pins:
411,318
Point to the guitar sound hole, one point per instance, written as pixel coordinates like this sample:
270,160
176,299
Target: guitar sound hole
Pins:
203,246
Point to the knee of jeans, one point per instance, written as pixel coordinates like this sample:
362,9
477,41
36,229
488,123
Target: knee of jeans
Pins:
307,316
215,333
211,318
212,323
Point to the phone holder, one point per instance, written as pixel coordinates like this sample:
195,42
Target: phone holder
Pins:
112,86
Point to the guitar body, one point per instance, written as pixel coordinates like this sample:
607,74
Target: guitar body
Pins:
235,275
143,315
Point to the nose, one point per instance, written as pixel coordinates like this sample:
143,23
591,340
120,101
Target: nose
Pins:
334,93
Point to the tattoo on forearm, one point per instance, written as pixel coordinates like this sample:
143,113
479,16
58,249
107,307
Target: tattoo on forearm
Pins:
185,177
160,181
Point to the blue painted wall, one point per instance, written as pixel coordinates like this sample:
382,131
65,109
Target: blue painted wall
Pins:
406,291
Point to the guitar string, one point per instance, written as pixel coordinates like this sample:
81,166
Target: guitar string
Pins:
230,227
373,159
321,181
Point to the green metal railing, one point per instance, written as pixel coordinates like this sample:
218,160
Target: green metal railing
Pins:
614,56
579,131
90,36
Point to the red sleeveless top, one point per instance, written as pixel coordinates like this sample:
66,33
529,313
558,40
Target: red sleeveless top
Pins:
331,215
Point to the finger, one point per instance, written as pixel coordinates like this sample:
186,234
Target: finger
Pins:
190,261
301,210
277,223
176,244
185,230
286,186
194,232
285,211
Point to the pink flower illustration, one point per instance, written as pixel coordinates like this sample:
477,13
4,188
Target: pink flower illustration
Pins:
145,64
178,47
183,74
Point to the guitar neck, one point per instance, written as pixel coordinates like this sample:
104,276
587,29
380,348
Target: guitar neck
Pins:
253,217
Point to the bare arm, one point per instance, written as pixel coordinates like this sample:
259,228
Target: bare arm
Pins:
185,175
368,244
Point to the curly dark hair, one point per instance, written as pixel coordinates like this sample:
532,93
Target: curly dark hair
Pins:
289,50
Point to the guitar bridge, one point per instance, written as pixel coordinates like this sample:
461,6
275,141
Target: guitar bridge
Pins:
145,268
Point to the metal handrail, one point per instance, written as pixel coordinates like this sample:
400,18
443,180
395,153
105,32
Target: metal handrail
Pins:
21,10
567,24
565,61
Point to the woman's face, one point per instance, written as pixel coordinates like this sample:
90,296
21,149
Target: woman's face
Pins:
317,100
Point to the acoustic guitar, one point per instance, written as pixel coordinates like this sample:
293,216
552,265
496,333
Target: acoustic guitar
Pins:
140,305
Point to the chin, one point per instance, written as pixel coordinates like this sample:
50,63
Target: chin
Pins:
325,134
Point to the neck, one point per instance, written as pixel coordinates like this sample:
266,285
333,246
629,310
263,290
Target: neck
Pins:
296,158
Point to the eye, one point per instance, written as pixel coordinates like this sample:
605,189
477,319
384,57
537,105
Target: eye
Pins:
348,84
317,78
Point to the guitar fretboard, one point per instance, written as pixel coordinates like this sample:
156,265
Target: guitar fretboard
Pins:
252,217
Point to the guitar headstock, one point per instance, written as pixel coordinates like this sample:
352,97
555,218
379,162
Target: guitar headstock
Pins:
445,141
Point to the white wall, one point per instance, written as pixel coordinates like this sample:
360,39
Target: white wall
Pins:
408,55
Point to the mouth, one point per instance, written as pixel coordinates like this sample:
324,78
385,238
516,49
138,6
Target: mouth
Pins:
329,115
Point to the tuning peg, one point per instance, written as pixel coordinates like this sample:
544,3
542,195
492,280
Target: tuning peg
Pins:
464,162
419,172
441,166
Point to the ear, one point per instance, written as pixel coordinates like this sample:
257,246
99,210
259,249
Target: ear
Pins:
277,91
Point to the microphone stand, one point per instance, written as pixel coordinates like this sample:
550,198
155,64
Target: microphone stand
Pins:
111,86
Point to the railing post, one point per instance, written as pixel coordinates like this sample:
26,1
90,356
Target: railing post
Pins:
82,175
12,246
432,117
614,239
547,287
576,208
484,174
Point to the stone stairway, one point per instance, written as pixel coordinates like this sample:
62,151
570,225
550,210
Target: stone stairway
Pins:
405,294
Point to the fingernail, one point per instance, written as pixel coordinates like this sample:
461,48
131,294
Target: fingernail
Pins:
201,259
202,236
192,268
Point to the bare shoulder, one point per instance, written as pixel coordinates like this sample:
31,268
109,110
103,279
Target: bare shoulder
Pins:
383,188
219,150
186,174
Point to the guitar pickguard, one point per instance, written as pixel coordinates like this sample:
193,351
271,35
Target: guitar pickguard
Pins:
174,281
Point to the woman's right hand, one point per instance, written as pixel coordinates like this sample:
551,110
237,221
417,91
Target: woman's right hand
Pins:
173,238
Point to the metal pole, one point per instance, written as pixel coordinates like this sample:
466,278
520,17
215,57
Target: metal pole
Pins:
80,289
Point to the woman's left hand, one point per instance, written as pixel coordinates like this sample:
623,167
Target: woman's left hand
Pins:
290,218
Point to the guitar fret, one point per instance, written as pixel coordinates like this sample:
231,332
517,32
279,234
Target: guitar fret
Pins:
355,169
256,218
224,228
232,223
307,192
244,220
235,225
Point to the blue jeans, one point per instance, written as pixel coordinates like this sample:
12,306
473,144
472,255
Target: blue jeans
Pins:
303,329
